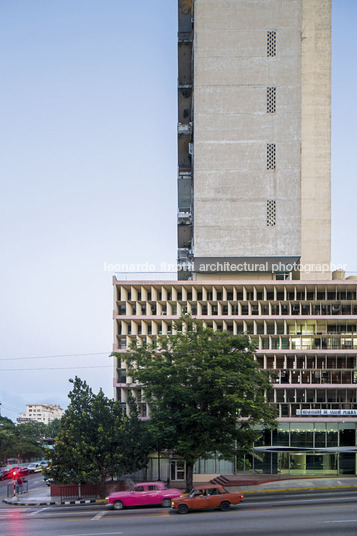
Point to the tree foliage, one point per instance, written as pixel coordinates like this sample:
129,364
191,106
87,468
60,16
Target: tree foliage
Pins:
22,441
29,439
7,439
97,439
53,428
206,392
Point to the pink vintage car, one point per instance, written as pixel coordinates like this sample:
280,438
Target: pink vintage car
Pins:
143,494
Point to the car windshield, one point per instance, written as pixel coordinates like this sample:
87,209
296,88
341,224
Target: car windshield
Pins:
198,493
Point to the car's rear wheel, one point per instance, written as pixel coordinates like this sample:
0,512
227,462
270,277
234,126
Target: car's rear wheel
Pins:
225,505
166,503
118,505
182,509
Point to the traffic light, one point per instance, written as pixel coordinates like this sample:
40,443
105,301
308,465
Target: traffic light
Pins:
14,474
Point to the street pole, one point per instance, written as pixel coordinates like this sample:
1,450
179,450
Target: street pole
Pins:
158,465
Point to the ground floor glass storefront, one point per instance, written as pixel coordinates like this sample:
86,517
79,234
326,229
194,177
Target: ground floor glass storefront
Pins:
298,463
294,448
305,448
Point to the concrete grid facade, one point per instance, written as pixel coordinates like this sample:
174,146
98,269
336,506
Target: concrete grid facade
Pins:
306,336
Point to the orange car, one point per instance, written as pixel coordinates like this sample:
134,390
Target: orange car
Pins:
212,496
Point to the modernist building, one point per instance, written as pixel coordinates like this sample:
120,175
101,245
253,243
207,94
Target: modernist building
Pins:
306,334
254,225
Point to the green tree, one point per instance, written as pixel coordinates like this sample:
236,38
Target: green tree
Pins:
7,439
53,428
97,440
29,436
206,392
22,441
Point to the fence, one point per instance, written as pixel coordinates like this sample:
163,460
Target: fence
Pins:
19,488
76,492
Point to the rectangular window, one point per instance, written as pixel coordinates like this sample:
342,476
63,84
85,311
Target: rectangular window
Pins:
271,156
271,212
271,100
271,43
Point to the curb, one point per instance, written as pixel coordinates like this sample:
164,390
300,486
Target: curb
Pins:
54,503
82,501
23,503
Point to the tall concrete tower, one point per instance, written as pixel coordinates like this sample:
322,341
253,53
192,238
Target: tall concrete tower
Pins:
254,138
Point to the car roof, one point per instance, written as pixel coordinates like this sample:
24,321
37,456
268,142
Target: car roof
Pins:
149,483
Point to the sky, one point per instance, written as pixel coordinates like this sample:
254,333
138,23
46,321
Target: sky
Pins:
88,176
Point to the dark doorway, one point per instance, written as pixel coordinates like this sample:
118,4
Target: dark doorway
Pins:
314,462
347,463
348,437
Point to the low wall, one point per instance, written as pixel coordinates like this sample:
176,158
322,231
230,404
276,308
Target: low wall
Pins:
87,490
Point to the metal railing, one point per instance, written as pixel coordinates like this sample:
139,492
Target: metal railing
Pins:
17,489
78,492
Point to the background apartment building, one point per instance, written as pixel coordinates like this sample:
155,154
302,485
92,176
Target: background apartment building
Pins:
254,200
41,413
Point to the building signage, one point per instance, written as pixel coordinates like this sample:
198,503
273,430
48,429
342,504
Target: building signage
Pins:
336,412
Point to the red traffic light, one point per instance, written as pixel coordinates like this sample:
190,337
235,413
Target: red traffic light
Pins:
14,474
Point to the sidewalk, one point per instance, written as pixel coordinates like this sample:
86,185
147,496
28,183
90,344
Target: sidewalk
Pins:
42,497
300,484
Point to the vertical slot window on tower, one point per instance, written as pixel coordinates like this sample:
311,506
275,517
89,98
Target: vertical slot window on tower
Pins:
271,43
271,155
271,100
271,212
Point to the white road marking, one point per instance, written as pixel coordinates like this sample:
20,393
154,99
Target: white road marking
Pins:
12,512
93,534
343,521
38,511
99,515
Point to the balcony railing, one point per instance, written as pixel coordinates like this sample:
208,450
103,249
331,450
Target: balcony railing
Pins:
313,376
305,342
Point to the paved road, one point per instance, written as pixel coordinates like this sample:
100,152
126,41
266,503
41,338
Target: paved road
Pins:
294,514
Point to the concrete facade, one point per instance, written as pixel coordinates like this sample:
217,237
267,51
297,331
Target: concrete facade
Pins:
258,144
316,135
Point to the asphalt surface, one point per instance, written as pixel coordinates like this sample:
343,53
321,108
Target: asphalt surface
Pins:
41,496
296,513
